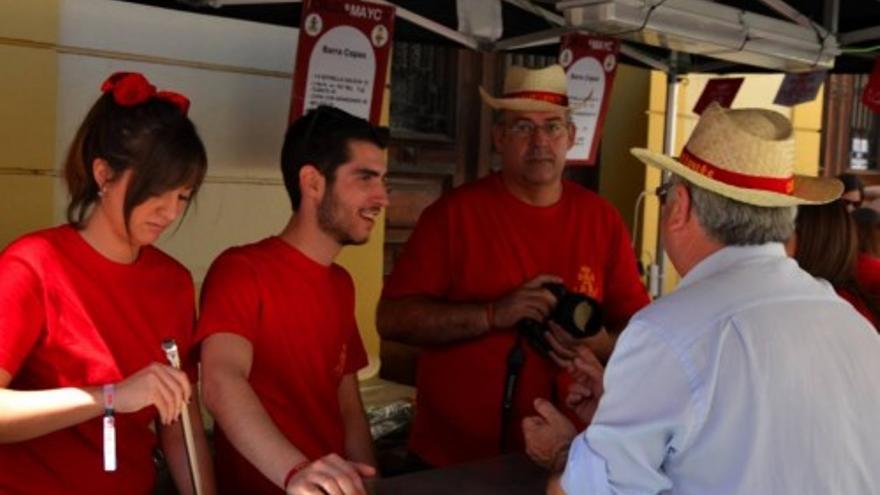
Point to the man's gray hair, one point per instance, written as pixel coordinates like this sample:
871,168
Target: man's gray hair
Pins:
734,223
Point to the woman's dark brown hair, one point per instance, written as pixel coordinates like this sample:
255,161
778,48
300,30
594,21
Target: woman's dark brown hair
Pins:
827,247
154,139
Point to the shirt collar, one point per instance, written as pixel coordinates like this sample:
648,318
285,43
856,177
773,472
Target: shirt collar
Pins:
729,256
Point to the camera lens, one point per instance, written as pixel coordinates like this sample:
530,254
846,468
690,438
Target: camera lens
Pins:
581,314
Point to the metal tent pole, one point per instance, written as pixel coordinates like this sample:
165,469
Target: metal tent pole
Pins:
659,268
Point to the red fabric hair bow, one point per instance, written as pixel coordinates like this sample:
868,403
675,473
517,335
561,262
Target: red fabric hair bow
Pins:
132,88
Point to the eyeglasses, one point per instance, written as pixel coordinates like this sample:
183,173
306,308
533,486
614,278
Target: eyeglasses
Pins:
663,190
851,204
525,128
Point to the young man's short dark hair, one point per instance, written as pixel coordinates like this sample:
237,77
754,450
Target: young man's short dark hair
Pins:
320,138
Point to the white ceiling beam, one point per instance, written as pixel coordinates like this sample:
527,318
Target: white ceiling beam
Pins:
831,15
859,36
528,6
552,35
644,58
220,3
545,37
423,22
728,33
792,13
433,26
711,67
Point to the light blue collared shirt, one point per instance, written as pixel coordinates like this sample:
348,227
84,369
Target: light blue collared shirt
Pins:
751,378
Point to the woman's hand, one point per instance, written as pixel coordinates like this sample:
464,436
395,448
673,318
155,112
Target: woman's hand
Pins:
155,385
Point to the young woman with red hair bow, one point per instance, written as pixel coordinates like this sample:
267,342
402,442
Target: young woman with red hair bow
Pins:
84,307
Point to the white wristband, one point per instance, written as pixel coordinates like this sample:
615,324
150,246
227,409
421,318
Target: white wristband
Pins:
109,429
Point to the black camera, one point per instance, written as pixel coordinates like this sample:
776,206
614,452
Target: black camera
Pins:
579,315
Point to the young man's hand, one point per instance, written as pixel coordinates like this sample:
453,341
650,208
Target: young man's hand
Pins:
330,475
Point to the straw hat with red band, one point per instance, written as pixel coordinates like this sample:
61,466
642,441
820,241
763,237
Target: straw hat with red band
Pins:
532,90
747,155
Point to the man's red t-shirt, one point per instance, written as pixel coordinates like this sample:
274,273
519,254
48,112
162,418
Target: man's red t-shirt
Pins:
476,244
299,317
868,278
69,317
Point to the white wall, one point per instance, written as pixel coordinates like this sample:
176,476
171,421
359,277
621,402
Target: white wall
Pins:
237,75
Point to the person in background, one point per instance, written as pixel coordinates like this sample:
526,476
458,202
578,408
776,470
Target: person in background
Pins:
853,191
280,345
476,266
868,264
85,306
752,376
825,244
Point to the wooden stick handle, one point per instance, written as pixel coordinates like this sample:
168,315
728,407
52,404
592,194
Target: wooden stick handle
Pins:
170,348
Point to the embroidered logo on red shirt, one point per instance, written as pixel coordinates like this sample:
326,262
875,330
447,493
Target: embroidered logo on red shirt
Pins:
586,283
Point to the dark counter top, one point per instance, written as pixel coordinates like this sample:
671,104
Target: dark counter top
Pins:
513,474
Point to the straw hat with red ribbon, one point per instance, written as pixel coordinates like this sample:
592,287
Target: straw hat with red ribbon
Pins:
532,90
747,155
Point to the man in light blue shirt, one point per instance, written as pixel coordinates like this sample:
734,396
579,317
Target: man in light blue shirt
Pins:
752,377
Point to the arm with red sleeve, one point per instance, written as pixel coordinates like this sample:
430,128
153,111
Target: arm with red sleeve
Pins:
230,307
28,414
229,310
358,439
414,310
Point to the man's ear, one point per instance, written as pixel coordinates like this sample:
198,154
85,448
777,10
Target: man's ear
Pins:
311,182
102,173
680,207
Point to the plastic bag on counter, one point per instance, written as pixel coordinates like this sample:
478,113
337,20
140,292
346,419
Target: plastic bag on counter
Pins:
390,418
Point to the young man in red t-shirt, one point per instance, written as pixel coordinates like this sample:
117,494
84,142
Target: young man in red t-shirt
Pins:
475,266
280,346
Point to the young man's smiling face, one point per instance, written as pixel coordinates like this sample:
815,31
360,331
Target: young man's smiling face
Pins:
356,196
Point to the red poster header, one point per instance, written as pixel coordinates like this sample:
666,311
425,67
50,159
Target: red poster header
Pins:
590,64
342,57
871,94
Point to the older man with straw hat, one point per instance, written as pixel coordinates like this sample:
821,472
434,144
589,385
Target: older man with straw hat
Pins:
476,265
752,377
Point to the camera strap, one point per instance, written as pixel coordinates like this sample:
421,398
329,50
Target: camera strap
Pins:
515,360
